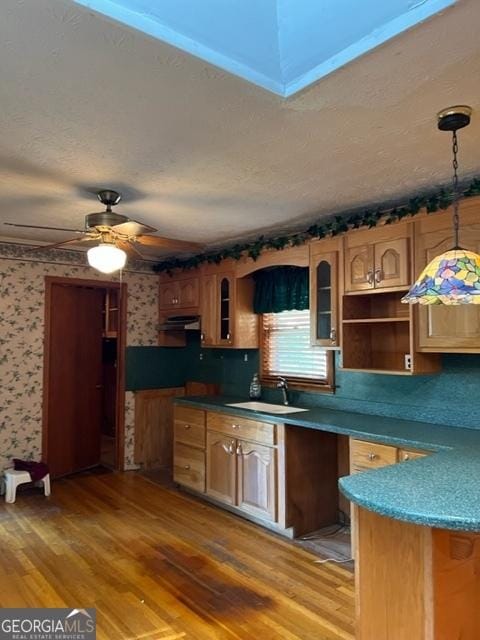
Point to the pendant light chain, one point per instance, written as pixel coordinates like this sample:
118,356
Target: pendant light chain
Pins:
456,217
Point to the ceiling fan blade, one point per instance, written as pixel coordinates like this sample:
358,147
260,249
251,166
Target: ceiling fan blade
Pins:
59,244
169,243
133,228
36,226
129,249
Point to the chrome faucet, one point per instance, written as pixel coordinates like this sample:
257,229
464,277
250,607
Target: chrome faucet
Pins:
283,385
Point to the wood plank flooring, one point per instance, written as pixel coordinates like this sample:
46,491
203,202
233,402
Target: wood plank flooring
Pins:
160,565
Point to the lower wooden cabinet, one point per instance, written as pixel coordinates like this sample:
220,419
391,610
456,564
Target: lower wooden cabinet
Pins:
221,467
242,474
189,466
256,479
372,455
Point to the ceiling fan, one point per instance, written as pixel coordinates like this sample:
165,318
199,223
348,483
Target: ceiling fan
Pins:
117,236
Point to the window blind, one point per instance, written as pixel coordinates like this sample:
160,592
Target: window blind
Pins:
287,350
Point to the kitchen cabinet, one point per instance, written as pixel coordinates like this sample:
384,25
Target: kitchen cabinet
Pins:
366,455
324,295
221,467
378,336
189,448
442,328
256,479
178,293
226,310
378,259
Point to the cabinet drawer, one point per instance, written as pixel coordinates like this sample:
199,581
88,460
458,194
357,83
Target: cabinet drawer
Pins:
190,433
410,454
189,466
369,455
190,416
243,428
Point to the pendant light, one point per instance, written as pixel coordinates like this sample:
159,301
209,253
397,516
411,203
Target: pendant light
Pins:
453,277
106,257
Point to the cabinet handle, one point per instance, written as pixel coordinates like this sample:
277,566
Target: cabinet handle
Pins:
187,426
378,275
235,426
202,337
239,450
406,457
333,335
372,456
230,449
186,467
370,276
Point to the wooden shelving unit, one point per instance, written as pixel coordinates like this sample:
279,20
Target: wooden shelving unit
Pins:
378,336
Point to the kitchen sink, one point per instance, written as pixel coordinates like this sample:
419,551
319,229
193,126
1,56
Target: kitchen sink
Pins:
265,407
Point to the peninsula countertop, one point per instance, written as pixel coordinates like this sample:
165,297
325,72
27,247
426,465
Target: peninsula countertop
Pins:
440,490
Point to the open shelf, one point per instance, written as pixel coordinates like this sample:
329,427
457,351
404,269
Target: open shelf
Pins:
376,346
375,306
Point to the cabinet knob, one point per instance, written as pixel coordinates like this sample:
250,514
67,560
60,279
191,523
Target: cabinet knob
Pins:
406,457
333,335
186,467
378,275
370,276
235,426
372,456
187,426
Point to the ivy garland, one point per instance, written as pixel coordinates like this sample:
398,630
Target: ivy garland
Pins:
333,227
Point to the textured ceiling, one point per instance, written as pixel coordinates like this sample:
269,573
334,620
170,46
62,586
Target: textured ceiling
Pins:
281,45
203,155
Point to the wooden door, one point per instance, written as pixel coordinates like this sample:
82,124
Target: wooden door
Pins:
442,328
208,310
154,427
359,268
324,300
221,467
256,480
188,293
73,378
392,264
168,295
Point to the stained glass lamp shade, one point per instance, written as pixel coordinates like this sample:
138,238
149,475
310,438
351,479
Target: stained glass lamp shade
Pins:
453,277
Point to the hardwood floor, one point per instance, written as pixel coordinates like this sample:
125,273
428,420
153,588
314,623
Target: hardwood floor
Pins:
160,565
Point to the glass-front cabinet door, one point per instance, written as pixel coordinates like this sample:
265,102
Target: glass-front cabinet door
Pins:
324,300
225,309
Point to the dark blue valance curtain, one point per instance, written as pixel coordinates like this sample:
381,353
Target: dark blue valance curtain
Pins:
281,289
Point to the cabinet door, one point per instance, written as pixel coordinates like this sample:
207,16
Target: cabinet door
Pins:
440,327
359,268
168,295
188,293
208,310
324,300
225,309
221,467
392,265
257,480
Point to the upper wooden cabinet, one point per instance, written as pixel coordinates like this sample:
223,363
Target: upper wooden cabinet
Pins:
226,309
324,294
178,293
378,259
442,328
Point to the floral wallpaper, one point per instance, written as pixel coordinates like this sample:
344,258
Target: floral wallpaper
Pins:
22,288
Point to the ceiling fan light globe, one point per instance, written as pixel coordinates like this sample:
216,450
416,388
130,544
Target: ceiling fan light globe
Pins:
106,258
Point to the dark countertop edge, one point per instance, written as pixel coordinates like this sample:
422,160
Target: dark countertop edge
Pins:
465,523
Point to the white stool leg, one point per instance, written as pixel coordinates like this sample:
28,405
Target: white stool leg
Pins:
46,484
11,490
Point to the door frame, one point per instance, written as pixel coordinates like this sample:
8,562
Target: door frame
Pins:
121,345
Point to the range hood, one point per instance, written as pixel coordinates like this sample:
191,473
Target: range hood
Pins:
180,323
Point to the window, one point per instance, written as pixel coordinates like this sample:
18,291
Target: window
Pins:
287,351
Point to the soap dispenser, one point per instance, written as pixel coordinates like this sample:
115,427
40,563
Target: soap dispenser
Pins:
255,388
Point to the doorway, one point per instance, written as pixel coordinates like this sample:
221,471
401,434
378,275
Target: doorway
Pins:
84,388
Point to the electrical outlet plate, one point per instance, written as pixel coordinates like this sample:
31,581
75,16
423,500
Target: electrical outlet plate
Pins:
408,362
